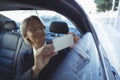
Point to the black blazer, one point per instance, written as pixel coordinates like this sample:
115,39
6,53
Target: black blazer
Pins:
24,64
26,61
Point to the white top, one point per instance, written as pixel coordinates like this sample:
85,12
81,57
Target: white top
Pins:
34,50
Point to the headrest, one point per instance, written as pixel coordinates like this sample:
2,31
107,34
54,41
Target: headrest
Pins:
10,25
59,27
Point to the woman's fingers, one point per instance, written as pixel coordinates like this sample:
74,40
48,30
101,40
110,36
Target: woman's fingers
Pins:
75,38
47,49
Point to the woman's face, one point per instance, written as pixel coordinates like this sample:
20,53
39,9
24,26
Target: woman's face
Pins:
36,32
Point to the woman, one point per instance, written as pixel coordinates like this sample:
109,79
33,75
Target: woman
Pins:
33,32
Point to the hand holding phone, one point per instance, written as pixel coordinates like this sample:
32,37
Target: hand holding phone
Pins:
63,42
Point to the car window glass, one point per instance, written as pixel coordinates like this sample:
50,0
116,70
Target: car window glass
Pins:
106,23
46,16
49,16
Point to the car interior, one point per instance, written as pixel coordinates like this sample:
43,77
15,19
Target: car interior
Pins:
61,65
9,49
68,64
12,44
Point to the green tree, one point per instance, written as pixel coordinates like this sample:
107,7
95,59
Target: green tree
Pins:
116,4
103,5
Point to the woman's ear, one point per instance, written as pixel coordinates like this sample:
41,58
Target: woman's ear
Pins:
27,38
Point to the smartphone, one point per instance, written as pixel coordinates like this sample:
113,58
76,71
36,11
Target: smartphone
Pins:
63,42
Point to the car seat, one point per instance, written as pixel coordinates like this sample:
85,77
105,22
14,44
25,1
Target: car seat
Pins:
11,26
59,27
9,49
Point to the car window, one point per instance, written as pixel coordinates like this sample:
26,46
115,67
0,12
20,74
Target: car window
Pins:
105,17
49,16
46,16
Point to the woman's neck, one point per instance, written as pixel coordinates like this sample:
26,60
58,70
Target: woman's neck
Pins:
37,46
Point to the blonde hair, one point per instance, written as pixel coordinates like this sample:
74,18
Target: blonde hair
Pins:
24,26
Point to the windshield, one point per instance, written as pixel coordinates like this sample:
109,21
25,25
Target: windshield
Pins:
104,16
